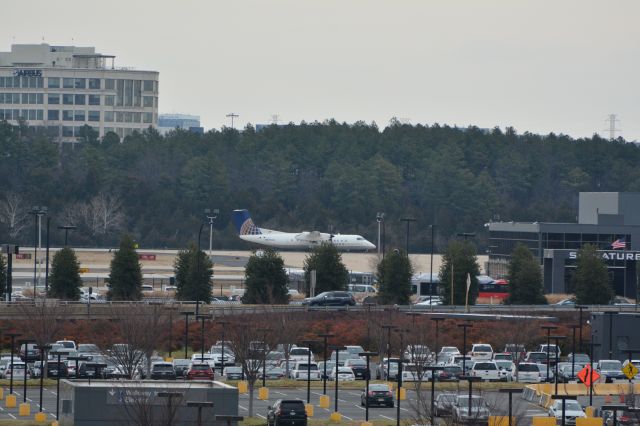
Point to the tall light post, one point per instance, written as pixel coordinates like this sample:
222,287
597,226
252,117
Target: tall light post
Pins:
24,342
573,349
46,261
548,328
380,220
202,318
408,221
37,212
591,346
66,229
43,351
437,320
510,392
388,327
557,360
464,347
13,342
308,344
264,332
337,350
223,324
325,338
200,405
367,355
58,353
211,216
197,283
186,331
433,227
581,308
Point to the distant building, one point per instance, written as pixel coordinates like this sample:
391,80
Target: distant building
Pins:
62,88
168,122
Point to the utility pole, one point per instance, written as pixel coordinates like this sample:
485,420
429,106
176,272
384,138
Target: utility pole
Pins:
612,126
232,116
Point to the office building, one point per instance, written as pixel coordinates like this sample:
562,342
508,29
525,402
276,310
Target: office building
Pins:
60,89
168,122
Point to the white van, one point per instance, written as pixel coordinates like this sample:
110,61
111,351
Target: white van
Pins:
301,369
362,288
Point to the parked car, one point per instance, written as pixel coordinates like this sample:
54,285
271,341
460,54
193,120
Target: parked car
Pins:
552,349
354,351
19,369
387,371
565,375
343,374
180,366
56,370
611,368
29,352
287,412
572,411
233,373
206,357
331,298
69,344
200,371
580,359
163,371
526,372
359,367
481,351
87,348
417,353
537,357
321,367
449,373
303,370
486,370
415,373
443,404
504,369
571,301
470,411
272,373
377,394
517,351
300,354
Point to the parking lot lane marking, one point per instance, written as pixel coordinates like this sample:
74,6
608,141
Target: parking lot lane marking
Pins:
245,409
385,417
260,415
358,406
12,416
280,393
348,418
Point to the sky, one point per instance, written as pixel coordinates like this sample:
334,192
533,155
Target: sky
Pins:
536,65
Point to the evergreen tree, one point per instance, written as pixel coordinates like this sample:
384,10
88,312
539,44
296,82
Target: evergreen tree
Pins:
525,278
461,257
394,277
331,274
591,280
194,271
266,279
125,279
3,277
65,279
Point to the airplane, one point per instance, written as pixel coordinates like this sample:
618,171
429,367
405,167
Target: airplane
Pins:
249,232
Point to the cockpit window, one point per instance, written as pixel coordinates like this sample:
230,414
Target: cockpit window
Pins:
359,238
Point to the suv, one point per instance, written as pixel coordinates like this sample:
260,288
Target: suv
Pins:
486,370
302,369
481,351
29,352
359,367
56,370
199,371
611,369
287,412
479,413
163,371
331,298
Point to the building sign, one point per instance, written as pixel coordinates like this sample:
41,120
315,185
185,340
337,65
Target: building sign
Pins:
147,256
612,255
27,73
23,256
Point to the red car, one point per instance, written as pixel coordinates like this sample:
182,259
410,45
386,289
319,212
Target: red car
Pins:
200,371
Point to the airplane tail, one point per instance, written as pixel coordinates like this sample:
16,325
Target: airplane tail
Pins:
244,224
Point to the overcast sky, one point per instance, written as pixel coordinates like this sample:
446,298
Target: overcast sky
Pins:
539,66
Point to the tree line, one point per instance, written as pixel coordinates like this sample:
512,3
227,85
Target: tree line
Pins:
329,176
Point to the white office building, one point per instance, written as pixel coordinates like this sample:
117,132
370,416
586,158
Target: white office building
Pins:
62,88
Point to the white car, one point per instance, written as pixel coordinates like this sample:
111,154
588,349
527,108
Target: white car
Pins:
300,354
417,353
207,357
526,372
301,370
572,410
481,351
486,370
412,373
505,368
344,374
19,369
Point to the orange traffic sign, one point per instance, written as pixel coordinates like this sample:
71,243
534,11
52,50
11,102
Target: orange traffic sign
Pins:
588,376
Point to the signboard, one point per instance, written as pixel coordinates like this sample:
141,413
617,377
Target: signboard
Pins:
630,370
83,270
612,255
23,256
587,378
27,73
133,397
147,256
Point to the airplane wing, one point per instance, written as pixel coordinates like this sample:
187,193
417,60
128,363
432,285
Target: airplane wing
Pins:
313,236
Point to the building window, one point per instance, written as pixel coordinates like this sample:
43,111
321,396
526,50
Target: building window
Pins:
67,115
67,99
109,100
94,115
109,84
94,83
33,99
67,83
128,93
120,93
147,117
39,98
33,114
80,83
67,131
119,117
137,117
53,99
39,114
25,98
94,99
78,115
128,117
148,86
80,100
53,131
108,116
53,82
148,101
137,93
53,115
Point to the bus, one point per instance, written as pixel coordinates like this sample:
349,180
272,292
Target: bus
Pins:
494,289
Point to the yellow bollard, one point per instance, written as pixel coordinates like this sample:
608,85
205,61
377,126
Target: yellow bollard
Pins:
403,394
263,394
1,393
589,411
366,424
11,401
54,423
168,359
324,401
40,417
335,417
309,409
24,409
243,386
543,421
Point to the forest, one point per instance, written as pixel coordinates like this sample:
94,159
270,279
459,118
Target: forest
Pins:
330,176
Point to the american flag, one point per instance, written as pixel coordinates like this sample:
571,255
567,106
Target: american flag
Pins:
618,244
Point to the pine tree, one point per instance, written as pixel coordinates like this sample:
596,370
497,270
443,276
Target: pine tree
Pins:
331,274
525,278
266,279
193,270
65,281
125,279
394,274
3,277
461,257
591,279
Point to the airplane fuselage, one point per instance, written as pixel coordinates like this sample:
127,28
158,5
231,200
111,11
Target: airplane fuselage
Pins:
291,240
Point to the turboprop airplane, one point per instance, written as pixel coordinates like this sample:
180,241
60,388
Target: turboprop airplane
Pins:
248,231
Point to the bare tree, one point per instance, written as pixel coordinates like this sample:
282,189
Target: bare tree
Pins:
102,214
290,326
13,213
149,407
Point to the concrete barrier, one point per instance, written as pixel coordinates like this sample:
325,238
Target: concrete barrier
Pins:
543,421
501,420
589,421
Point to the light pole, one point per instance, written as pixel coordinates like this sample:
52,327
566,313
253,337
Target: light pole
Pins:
202,318
223,324
37,212
388,327
615,408
591,346
24,342
564,399
408,220
67,228
76,359
610,314
197,283
380,220
367,355
573,349
337,350
211,216
399,386
264,332
199,405
43,351
325,337
470,380
548,328
46,262
510,392
437,320
308,344
557,361
433,369
186,331
464,347
13,342
581,308
57,386
433,227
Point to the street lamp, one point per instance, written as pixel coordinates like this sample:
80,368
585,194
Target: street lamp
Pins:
548,328
223,324
399,386
510,392
437,321
211,215
564,399
380,220
186,331
46,262
433,369
37,212
196,286
13,340
57,385
581,308
325,337
591,346
200,405
24,342
202,318
433,227
464,347
308,344
470,380
43,350
76,359
557,361
388,327
408,220
337,350
367,355
264,332
615,408
573,328
67,228
610,314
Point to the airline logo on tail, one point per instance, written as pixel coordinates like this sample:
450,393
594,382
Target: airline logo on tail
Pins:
244,224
